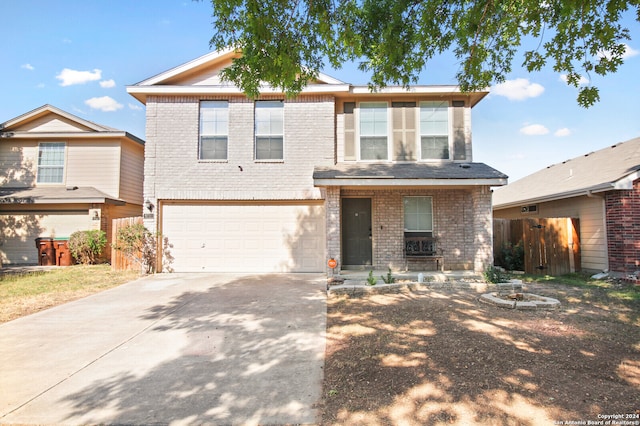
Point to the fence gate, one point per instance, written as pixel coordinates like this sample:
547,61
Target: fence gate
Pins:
551,245
119,261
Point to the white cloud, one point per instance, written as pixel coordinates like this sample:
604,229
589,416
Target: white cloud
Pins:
135,107
27,67
104,103
582,82
69,77
562,132
518,89
106,84
629,52
534,130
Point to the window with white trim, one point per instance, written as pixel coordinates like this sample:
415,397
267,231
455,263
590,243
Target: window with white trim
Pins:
51,162
373,131
418,214
434,130
269,130
214,130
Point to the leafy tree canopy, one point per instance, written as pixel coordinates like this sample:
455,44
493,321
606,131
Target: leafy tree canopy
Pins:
285,43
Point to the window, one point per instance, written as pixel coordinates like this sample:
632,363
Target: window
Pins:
418,214
214,130
269,130
373,131
51,162
434,130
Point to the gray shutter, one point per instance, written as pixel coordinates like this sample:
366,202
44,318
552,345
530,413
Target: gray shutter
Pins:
459,142
349,132
403,117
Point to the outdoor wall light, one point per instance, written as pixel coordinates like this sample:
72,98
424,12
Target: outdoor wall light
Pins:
149,205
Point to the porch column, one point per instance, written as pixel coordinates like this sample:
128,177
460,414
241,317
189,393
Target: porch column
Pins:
483,229
332,207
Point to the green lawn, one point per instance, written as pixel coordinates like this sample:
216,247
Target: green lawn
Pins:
25,294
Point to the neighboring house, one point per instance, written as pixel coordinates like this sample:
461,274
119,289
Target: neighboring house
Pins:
338,172
60,174
601,189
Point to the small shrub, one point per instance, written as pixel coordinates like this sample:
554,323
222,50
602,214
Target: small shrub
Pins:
371,280
495,275
140,246
389,279
513,256
86,246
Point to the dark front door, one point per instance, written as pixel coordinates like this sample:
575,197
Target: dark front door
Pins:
356,231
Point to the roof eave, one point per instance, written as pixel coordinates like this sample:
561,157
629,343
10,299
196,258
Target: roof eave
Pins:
390,181
141,92
559,196
70,135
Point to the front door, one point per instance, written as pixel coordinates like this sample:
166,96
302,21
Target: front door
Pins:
356,231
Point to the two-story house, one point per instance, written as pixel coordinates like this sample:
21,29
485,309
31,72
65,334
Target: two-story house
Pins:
276,184
59,174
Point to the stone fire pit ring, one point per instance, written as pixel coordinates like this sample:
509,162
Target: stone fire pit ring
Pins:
511,296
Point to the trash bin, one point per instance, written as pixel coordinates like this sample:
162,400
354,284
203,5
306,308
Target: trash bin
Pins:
63,254
46,252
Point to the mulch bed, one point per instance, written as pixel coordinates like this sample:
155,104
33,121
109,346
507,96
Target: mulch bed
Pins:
440,356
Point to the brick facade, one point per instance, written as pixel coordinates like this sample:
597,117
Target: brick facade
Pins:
462,226
173,171
623,229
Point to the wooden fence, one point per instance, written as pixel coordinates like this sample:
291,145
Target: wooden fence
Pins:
120,262
551,245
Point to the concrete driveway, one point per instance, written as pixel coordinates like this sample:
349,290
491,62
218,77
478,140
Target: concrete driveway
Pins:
171,349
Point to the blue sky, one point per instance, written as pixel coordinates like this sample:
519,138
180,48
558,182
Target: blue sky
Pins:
80,56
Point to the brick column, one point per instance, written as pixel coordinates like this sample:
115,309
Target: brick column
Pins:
332,212
483,229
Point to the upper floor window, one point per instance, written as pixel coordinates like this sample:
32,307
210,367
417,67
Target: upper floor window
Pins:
51,162
269,122
434,130
373,131
214,130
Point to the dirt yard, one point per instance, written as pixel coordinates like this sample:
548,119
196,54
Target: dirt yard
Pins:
440,356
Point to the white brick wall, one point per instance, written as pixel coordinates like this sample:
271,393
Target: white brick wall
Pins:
173,170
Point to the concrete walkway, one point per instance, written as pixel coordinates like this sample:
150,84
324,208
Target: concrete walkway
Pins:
171,349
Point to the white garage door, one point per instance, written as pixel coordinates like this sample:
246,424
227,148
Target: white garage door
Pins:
245,237
19,231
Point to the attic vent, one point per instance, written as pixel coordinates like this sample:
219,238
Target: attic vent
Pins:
71,188
465,166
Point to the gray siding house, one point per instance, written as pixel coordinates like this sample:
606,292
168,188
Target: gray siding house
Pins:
283,185
601,189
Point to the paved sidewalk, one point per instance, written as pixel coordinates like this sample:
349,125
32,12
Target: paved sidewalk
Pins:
171,349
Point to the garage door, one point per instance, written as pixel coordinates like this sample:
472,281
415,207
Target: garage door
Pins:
245,237
19,231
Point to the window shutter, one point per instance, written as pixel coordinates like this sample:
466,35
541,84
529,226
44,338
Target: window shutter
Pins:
349,132
459,143
403,117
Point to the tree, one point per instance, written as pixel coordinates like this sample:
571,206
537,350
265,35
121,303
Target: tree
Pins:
285,43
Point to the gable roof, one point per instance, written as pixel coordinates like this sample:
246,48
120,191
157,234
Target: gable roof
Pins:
614,167
30,124
201,76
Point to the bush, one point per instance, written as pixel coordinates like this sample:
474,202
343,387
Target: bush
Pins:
513,256
140,245
495,275
87,246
